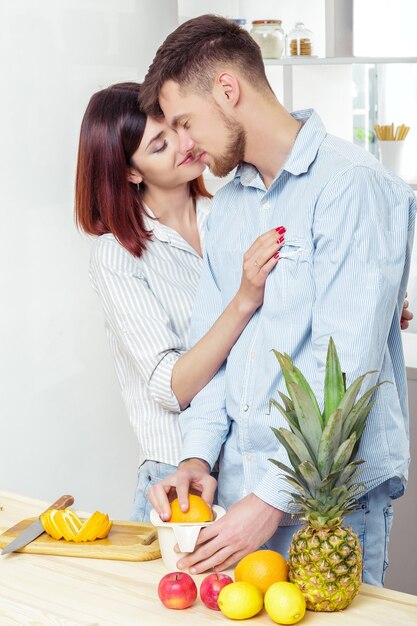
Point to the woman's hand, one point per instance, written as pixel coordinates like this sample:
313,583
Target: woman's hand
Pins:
258,261
406,315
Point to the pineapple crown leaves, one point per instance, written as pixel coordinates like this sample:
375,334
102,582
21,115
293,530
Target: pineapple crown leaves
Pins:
322,447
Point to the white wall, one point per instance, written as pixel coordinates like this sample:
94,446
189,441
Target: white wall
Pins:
63,425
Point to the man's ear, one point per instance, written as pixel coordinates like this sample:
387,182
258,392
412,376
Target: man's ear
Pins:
134,176
227,90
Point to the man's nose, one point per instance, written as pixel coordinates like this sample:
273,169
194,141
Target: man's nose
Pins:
186,143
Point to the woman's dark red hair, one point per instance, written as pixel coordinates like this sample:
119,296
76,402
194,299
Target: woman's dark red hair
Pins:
105,200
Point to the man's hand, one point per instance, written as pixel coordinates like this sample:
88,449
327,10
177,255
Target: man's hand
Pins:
192,475
406,315
245,527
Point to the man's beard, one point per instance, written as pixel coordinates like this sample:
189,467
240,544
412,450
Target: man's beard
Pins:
234,151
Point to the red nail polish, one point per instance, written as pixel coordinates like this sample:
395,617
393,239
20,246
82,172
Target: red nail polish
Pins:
280,240
276,255
281,230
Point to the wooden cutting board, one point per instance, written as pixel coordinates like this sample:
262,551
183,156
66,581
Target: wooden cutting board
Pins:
127,541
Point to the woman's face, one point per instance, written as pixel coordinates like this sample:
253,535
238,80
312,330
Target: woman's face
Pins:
159,161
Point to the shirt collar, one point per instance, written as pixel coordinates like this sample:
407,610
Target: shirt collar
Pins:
302,155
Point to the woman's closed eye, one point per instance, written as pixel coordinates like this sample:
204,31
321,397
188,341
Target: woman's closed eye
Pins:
160,147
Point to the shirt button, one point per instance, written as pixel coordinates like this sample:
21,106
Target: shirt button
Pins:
266,205
249,457
246,407
253,356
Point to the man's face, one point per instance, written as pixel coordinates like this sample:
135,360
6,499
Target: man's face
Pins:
203,128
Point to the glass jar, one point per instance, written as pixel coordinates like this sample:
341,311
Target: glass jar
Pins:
270,37
240,21
300,41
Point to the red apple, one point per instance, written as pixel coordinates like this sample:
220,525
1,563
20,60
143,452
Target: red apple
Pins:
177,590
211,587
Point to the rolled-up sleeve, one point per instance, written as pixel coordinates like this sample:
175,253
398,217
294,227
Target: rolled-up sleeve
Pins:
137,319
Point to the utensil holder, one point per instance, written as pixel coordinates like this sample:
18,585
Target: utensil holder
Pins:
391,155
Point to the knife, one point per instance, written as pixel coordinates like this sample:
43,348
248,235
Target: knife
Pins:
34,530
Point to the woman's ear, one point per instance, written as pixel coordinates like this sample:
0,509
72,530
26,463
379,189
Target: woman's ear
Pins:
134,176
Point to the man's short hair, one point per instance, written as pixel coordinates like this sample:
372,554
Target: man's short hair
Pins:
191,54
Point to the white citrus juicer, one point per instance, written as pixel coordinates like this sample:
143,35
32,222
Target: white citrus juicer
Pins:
185,535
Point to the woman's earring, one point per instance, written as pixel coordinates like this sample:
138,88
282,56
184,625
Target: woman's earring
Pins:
138,186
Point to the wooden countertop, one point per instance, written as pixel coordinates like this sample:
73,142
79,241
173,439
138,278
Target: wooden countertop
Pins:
41,590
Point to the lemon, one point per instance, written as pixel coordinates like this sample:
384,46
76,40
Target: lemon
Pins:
284,603
240,600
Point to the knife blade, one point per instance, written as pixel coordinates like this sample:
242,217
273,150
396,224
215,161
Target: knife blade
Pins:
34,530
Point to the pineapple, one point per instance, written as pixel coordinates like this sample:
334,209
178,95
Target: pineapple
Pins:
325,558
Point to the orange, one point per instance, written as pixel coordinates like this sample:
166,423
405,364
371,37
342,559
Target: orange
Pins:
199,511
262,568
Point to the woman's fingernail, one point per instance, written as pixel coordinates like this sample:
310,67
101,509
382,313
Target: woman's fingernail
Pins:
281,230
276,255
183,506
164,516
176,549
193,570
180,565
280,240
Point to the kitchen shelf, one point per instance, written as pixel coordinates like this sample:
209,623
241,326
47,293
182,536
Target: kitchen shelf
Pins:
338,60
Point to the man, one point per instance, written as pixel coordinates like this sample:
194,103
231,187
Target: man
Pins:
342,273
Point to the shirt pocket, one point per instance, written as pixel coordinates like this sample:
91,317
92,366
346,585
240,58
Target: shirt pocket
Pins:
291,283
293,252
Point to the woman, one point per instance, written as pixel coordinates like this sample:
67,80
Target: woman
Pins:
148,205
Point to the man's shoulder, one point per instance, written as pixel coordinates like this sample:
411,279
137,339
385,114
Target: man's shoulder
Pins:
343,158
345,154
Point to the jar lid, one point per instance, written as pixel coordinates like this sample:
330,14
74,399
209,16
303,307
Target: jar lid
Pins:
240,21
266,21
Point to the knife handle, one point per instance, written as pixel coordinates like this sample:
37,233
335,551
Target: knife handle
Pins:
61,503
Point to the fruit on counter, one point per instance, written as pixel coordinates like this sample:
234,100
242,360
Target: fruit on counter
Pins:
262,568
325,559
240,600
284,603
199,511
177,590
65,524
211,587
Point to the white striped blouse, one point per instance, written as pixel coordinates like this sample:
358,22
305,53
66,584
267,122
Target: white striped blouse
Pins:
147,306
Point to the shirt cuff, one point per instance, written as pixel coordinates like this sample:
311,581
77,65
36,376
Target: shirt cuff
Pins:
199,444
160,386
273,489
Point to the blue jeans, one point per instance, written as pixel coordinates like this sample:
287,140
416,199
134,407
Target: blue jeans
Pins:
149,473
371,521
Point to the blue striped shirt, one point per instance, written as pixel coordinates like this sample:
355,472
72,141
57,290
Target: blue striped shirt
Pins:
342,272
